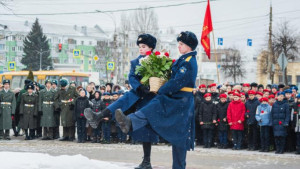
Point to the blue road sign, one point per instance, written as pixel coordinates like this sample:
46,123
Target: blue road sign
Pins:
249,42
110,65
220,41
11,66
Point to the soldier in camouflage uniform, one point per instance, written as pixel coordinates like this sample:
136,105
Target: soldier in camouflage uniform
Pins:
46,108
29,112
7,109
64,102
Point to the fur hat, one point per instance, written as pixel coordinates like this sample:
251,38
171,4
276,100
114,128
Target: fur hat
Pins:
6,81
188,38
147,39
63,82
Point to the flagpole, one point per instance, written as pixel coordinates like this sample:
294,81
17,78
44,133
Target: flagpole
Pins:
215,51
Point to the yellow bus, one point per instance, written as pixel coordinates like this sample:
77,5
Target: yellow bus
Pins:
17,78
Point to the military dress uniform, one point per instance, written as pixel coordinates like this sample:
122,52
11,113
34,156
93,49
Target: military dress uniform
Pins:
46,106
64,102
29,113
7,110
56,113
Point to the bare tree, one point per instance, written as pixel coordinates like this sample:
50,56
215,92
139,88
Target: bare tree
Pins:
145,20
5,4
286,40
232,65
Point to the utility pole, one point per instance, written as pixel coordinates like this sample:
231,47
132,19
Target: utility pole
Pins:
271,53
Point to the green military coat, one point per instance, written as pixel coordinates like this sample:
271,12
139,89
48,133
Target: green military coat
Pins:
46,105
65,99
7,108
29,111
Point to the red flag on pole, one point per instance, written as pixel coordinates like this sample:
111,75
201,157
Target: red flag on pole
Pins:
207,28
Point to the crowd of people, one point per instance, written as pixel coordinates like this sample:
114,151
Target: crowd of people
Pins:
251,116
37,111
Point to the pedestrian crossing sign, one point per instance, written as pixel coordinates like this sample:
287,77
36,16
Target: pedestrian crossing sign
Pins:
110,65
11,66
76,53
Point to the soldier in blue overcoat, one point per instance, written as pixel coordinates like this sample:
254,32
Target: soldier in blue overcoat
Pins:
171,112
135,99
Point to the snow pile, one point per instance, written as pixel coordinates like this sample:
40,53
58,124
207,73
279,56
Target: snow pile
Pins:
18,160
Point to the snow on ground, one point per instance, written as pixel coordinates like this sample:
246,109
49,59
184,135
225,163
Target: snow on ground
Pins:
45,161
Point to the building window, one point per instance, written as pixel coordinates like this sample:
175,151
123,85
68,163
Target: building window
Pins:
2,47
90,52
13,37
49,40
298,81
82,53
13,48
90,62
289,79
90,42
82,42
20,48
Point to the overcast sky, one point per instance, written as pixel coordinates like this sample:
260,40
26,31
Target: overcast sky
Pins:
234,20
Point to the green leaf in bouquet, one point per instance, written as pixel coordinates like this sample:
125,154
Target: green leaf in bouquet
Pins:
145,78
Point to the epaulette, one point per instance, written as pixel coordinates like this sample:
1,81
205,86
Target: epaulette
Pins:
188,59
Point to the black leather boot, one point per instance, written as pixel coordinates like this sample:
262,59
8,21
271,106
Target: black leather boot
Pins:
123,120
145,164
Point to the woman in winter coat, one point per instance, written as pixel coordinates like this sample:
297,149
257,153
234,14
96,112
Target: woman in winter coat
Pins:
280,121
236,117
81,103
264,119
221,109
98,106
207,119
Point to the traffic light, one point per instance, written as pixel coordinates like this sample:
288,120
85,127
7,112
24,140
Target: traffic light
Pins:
59,47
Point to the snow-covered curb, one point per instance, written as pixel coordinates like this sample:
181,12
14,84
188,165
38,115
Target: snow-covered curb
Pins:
22,160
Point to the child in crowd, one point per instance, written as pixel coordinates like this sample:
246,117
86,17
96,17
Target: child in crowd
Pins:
81,103
221,109
207,119
296,121
264,119
280,121
106,123
236,117
251,106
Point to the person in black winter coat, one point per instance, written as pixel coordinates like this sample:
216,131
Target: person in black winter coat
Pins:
296,122
98,106
280,121
291,137
106,123
214,95
81,103
253,129
221,109
199,98
207,118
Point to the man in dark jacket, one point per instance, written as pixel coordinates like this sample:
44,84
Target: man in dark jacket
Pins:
207,118
251,106
221,109
280,121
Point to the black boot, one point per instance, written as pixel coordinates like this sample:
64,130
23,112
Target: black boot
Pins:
94,139
96,117
64,139
145,164
26,135
124,121
298,150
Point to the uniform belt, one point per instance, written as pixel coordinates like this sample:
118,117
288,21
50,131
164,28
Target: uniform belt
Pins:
66,101
29,105
47,102
6,103
187,89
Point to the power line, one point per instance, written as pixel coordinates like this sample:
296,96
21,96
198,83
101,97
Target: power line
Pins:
108,11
